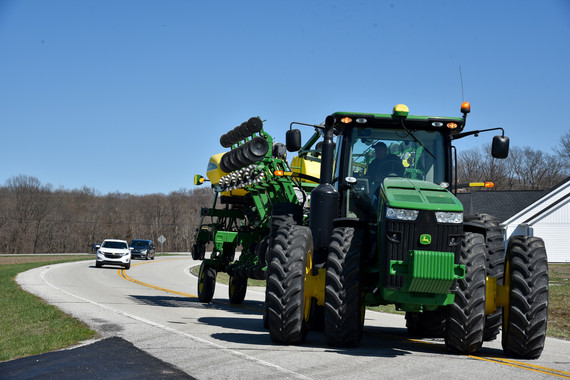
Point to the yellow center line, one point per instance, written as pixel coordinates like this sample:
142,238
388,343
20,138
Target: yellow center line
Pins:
508,362
527,366
121,272
535,366
504,361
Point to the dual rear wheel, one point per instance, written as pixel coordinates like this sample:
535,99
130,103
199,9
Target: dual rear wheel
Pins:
524,317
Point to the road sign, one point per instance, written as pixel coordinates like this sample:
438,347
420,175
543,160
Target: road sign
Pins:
161,240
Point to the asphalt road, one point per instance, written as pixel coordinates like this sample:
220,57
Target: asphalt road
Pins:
153,306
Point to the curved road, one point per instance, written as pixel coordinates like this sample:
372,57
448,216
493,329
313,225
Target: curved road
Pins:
153,305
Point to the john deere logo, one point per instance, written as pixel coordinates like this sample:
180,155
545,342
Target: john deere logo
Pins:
425,239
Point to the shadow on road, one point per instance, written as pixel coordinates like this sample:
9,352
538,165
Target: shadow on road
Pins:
111,358
247,307
377,341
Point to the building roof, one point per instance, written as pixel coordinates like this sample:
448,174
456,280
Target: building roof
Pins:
556,198
502,204
506,204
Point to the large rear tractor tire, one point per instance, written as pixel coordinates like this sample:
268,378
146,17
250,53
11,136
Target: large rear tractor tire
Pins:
237,289
466,316
344,309
287,310
283,215
494,263
526,278
206,282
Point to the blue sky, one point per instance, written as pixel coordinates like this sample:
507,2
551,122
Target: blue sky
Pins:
132,96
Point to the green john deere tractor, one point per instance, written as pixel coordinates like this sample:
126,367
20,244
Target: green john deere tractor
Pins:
382,226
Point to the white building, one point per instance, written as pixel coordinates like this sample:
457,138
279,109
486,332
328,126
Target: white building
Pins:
549,219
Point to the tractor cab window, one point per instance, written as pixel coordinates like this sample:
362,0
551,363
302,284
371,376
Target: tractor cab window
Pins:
377,154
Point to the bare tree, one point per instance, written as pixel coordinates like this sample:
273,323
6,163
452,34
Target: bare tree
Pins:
564,149
525,168
477,165
34,218
30,210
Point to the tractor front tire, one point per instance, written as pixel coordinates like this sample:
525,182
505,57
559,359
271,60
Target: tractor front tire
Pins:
237,289
494,263
286,310
466,316
206,282
344,310
525,317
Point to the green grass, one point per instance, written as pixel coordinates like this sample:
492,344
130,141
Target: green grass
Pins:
559,301
29,325
386,309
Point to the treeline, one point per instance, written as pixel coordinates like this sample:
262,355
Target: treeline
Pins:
524,169
34,218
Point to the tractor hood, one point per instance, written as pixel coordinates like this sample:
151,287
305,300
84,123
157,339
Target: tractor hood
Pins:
418,195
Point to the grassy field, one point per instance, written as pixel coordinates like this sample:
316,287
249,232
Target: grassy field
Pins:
30,326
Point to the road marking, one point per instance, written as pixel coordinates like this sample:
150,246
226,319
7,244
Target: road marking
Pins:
121,272
504,361
527,366
169,329
507,362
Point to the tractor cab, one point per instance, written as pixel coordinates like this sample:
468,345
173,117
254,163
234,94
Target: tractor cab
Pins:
383,150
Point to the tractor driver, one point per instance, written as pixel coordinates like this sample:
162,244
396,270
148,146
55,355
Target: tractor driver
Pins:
383,165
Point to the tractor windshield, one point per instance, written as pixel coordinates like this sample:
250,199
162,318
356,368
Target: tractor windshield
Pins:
375,154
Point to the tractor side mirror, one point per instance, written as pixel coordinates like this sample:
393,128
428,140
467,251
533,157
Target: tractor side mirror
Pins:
500,147
293,140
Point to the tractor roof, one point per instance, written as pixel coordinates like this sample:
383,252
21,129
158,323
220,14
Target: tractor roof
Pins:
379,120
399,114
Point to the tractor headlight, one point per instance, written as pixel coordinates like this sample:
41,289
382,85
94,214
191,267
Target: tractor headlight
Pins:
401,214
449,217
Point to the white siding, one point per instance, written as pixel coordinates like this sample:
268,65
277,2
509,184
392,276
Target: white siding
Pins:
556,238
559,214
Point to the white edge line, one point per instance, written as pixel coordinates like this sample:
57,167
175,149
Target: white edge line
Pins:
169,329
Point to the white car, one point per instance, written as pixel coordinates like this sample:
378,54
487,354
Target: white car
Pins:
114,252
